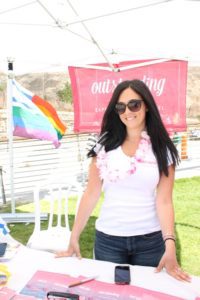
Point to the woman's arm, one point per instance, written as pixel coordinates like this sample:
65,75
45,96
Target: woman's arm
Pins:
164,203
87,204
88,200
165,210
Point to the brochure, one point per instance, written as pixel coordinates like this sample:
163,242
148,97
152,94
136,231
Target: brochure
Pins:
43,282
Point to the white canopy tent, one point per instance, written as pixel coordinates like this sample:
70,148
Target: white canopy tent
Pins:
44,36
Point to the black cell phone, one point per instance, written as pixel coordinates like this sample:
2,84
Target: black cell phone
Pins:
61,296
3,247
122,274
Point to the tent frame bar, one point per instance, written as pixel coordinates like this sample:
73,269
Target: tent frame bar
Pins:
132,66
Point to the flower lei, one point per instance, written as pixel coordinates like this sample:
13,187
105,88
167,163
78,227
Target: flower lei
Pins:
112,171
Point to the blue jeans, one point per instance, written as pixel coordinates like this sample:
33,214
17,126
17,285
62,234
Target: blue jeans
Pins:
142,250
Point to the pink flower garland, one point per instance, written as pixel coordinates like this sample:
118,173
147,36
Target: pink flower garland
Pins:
111,165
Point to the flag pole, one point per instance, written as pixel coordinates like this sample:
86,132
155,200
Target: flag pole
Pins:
13,216
10,130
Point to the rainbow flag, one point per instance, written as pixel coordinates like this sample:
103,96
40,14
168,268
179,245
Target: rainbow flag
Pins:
33,117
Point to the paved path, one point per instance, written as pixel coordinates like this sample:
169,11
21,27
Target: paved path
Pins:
188,168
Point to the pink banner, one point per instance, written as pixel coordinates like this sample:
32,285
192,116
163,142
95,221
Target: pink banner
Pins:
92,90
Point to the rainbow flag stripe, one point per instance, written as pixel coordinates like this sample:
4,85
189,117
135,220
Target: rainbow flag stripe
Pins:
33,117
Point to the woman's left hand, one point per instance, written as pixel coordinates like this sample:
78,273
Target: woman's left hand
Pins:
169,262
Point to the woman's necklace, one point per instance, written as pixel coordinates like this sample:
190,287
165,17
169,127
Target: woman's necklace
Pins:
140,152
113,168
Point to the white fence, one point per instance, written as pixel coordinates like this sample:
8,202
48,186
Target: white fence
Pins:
38,161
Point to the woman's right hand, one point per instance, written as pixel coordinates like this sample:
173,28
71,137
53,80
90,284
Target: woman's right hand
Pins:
73,250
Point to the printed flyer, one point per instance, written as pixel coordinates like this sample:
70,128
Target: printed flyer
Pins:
43,282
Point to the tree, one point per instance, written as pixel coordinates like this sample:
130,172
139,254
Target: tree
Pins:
2,86
3,92
65,95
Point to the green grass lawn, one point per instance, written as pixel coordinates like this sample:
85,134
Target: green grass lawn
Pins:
187,210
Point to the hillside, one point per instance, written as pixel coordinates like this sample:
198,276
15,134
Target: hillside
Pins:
193,95
46,85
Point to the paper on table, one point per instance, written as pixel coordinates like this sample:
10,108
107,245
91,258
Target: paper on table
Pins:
43,281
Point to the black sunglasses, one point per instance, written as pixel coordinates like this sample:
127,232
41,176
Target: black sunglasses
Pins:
133,105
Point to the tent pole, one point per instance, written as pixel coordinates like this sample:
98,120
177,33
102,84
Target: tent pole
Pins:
93,39
132,66
113,68
13,217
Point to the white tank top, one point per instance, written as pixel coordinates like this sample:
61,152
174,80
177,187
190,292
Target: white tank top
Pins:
129,185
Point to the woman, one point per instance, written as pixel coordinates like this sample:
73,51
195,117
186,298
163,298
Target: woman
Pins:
134,161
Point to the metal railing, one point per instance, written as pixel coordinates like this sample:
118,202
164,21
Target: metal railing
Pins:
37,161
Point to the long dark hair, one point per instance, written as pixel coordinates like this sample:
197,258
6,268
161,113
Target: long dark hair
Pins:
114,131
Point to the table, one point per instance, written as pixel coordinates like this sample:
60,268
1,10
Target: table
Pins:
27,261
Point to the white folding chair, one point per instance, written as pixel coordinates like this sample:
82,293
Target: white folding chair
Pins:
56,236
